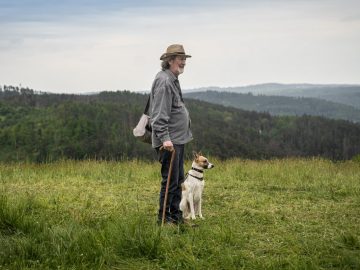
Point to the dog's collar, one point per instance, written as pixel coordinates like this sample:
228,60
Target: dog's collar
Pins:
199,178
198,170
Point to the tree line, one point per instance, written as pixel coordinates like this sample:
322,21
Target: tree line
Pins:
41,127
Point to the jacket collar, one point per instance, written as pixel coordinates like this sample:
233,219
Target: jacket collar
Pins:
171,75
176,82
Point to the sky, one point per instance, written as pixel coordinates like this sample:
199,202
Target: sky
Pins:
78,46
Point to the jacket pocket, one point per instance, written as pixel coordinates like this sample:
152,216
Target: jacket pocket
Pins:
177,103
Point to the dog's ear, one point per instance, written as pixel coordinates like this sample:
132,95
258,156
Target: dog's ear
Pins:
199,154
195,155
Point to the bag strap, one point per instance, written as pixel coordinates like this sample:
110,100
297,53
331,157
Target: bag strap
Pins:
147,106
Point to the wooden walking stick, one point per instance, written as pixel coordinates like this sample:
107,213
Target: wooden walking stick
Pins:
167,186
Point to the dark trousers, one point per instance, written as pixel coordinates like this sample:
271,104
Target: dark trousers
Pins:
173,213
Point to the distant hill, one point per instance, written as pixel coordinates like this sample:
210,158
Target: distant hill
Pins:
345,94
43,127
280,105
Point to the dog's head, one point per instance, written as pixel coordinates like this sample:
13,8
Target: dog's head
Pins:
202,161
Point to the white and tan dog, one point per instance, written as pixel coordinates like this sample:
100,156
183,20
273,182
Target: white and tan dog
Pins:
193,187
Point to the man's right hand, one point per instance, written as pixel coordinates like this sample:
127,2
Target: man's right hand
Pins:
168,145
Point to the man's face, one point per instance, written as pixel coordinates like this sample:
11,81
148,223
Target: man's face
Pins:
177,65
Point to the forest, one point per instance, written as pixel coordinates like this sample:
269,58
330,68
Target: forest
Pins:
44,127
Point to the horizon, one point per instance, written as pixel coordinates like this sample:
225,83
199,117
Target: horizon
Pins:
203,88
81,46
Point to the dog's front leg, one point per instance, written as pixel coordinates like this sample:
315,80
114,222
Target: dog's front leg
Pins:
200,213
191,202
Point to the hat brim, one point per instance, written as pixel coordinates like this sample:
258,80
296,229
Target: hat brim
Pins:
165,55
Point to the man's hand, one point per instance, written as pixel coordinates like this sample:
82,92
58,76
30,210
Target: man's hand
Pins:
168,145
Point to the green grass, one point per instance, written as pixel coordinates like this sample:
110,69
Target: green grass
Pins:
278,214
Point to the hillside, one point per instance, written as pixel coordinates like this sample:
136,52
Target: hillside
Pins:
46,127
280,105
345,94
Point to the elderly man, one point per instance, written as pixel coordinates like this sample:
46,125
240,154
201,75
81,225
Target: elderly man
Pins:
170,123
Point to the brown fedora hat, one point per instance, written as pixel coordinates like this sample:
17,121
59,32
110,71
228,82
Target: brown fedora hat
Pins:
174,49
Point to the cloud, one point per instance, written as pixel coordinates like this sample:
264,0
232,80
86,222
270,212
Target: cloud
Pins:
117,45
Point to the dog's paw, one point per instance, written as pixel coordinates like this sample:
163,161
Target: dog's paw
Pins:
193,217
201,217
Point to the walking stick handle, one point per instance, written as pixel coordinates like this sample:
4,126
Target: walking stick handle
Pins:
167,185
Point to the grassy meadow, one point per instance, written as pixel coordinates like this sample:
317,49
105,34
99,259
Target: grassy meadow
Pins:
277,214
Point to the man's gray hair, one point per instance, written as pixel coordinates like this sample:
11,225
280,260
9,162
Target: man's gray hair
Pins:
165,63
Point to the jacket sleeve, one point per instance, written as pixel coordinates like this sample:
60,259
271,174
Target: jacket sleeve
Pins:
161,111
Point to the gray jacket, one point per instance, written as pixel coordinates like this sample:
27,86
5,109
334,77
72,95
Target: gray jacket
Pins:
169,117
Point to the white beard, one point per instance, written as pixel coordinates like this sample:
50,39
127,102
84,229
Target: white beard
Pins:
180,70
